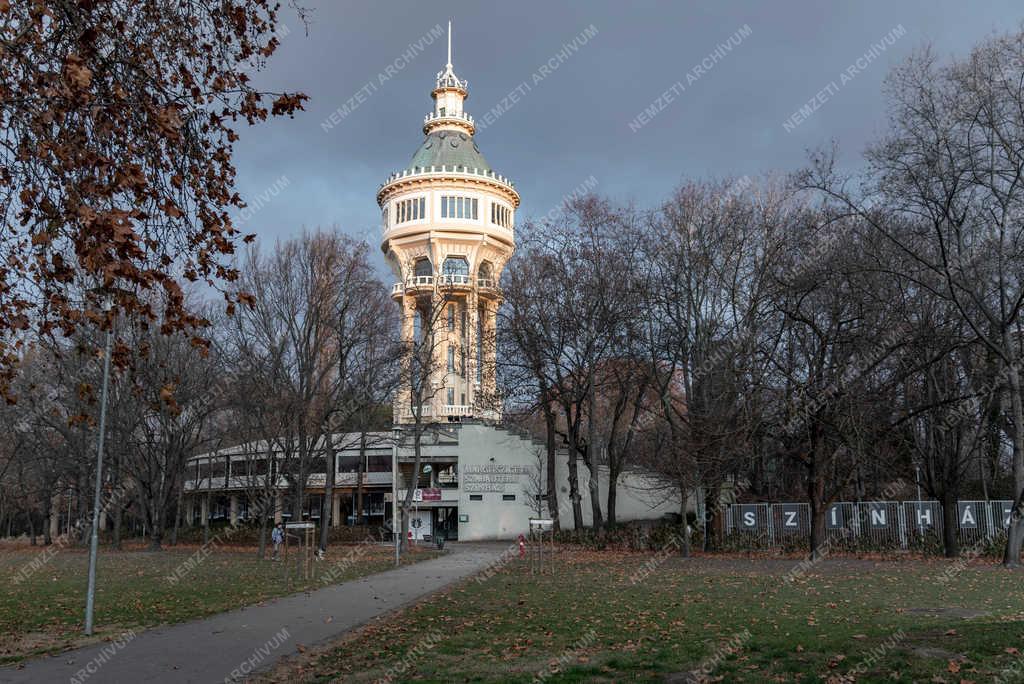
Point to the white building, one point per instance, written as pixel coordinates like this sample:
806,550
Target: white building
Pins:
448,231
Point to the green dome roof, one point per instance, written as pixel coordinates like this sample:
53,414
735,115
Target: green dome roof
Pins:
448,148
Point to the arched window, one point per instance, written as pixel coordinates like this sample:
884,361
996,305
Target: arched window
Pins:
455,266
423,268
486,271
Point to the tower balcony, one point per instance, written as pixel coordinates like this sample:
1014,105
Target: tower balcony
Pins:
460,120
456,410
448,172
444,283
414,285
487,286
457,283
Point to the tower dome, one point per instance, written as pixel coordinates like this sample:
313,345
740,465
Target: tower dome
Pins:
448,231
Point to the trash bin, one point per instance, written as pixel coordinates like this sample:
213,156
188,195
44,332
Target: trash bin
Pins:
439,540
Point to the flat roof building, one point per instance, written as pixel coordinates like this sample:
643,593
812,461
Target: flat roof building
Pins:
448,222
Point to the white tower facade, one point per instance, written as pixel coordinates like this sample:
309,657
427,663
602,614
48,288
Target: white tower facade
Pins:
448,231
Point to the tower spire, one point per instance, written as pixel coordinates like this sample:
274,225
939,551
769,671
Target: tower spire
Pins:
446,78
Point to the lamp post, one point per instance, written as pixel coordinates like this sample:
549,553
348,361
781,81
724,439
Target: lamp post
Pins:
917,481
394,494
90,594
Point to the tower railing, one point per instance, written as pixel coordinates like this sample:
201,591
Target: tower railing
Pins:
455,169
452,279
461,116
446,280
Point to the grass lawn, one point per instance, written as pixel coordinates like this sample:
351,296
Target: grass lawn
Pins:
45,612
734,619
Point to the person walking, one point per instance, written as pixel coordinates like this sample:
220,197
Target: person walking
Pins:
277,537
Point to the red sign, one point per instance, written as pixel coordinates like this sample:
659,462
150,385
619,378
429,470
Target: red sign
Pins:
431,494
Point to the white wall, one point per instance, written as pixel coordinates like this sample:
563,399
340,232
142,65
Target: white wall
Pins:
483,447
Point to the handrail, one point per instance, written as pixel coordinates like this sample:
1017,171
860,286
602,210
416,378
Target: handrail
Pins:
445,168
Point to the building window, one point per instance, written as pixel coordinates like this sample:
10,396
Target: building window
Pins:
508,497
451,318
384,217
501,215
410,210
460,207
455,266
423,268
476,497
441,111
451,396
451,361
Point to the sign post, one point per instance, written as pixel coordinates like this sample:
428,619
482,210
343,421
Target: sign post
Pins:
538,526
306,540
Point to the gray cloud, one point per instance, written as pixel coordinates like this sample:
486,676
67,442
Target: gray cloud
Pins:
574,123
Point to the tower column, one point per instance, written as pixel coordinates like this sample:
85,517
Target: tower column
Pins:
473,316
404,395
488,384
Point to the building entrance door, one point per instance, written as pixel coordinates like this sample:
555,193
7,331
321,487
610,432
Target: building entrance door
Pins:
448,522
420,525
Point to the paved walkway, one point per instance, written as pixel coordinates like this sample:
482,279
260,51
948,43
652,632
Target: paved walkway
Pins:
210,650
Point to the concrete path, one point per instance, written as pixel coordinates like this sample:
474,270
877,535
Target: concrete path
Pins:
243,641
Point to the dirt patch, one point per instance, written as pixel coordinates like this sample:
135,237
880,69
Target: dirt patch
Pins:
931,652
956,612
15,647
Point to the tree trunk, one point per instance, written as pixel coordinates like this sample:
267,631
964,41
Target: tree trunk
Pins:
552,466
177,514
684,550
328,500
117,510
816,497
299,495
118,516
31,527
414,482
156,535
574,489
360,470
47,514
206,519
711,515
950,543
1015,531
594,487
613,480
261,551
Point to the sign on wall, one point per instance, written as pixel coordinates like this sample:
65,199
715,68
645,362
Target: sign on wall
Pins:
427,494
834,517
790,517
494,477
924,517
878,516
968,515
748,517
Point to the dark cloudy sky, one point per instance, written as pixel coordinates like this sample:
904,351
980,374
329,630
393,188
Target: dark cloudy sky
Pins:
574,122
